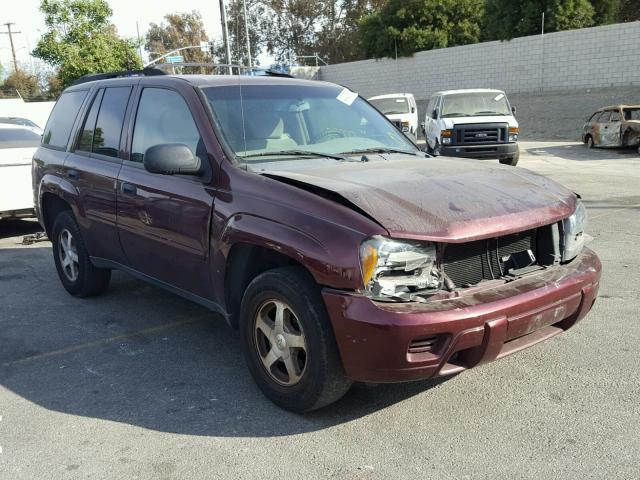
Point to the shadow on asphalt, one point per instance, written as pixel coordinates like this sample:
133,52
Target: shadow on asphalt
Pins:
579,152
140,356
14,228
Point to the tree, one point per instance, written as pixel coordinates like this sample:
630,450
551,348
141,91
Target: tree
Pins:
257,23
629,11
606,11
291,28
506,19
408,26
338,40
27,85
81,40
176,31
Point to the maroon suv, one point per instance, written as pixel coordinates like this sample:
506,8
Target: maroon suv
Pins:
304,217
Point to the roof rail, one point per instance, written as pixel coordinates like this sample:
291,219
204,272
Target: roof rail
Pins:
250,71
145,72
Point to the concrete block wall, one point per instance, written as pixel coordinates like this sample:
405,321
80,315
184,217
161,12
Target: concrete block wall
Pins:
555,82
586,58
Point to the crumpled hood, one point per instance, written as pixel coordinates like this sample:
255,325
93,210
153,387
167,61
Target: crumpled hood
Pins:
442,199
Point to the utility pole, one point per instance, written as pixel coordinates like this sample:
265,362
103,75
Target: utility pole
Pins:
225,35
246,32
13,49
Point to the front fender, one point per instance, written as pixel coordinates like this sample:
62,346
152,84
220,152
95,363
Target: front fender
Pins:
331,258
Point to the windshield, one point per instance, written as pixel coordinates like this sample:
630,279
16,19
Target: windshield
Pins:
631,114
475,104
18,138
391,106
299,121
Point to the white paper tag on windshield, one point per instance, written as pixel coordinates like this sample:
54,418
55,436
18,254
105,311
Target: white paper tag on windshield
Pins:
347,96
498,97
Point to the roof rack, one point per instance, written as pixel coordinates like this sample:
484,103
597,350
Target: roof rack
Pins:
145,72
251,71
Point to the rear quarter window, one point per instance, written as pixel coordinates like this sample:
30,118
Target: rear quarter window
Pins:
62,118
18,138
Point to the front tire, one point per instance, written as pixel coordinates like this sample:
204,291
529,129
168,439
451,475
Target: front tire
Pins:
513,161
77,274
289,343
589,142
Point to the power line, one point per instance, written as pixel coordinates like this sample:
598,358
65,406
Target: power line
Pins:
13,49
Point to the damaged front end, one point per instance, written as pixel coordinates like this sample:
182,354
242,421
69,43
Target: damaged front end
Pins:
395,270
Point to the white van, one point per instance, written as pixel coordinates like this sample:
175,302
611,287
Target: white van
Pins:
477,123
401,109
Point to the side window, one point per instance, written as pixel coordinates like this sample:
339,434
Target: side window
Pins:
63,115
603,117
163,117
615,116
86,134
430,105
106,138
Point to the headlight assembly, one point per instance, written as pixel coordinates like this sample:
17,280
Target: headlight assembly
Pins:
574,236
396,269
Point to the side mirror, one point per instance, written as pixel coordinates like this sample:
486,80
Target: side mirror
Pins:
434,114
513,110
422,127
172,159
413,109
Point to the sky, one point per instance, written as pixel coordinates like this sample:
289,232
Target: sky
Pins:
29,20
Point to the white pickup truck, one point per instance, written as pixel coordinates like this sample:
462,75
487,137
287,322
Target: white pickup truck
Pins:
401,109
478,123
17,146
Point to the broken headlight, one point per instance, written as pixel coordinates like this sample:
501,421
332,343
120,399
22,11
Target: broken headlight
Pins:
397,269
574,236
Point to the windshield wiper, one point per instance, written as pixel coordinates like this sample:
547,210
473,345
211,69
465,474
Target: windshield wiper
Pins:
455,114
307,153
379,150
488,112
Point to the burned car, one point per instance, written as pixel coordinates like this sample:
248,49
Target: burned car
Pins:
617,126
303,217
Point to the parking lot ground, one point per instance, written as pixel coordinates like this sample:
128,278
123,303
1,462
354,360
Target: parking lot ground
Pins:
139,383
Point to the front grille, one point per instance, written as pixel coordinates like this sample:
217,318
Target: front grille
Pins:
481,134
467,264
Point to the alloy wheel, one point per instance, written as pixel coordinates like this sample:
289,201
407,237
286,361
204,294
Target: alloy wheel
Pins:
68,255
280,342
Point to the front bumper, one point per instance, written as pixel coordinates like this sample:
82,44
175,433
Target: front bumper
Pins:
374,337
499,150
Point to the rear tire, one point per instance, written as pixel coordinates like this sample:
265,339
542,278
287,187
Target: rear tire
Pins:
77,274
294,360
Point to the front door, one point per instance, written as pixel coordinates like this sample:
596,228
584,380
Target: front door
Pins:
164,220
611,130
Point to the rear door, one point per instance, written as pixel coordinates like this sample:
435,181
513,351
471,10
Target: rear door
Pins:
93,166
163,220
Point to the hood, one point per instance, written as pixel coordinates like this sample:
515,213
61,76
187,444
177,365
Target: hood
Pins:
510,119
401,116
16,156
441,199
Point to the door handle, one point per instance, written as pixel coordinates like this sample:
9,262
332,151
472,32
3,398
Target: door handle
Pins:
128,188
73,174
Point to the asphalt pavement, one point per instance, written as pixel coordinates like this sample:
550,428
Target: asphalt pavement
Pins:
139,383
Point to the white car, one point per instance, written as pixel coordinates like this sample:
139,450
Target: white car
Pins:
477,123
401,109
17,146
